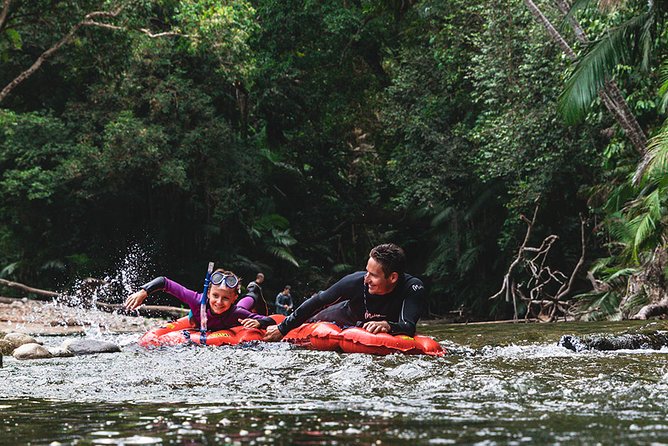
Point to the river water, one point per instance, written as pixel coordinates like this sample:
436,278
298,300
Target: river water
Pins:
500,384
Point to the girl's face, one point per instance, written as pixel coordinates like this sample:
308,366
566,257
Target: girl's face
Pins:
221,298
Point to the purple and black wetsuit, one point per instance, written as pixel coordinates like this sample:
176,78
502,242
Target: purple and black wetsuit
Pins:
215,322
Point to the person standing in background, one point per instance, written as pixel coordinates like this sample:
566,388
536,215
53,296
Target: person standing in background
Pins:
284,302
253,299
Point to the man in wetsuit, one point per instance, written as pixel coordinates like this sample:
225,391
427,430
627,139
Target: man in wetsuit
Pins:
382,299
253,298
284,302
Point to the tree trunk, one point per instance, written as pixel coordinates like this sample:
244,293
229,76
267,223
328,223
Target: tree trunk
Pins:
610,94
650,281
88,20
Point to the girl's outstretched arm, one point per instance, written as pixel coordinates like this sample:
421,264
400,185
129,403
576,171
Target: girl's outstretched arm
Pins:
136,299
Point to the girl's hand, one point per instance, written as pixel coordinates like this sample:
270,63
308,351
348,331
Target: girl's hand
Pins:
250,323
135,299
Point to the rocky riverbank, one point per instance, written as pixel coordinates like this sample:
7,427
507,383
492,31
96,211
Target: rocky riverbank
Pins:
35,317
23,321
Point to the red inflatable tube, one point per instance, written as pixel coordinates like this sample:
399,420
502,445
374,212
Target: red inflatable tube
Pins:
315,336
327,336
181,332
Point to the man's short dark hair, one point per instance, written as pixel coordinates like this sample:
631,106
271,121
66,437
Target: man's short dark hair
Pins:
391,258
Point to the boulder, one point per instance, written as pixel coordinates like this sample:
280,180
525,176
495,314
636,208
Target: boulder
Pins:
60,352
90,346
31,351
629,341
6,347
19,339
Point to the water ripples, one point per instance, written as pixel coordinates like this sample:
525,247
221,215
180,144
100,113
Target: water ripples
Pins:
492,394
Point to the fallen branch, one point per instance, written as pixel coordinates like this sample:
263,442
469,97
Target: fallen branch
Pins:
28,289
144,310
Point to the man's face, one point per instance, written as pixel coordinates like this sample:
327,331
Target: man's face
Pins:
376,280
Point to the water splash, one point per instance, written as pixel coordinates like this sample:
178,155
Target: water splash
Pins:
89,301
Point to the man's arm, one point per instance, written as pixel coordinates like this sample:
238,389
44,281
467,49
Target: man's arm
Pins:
341,290
411,309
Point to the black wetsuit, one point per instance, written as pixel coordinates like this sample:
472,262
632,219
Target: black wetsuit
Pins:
253,300
351,304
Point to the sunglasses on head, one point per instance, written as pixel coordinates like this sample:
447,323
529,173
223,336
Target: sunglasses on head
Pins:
229,279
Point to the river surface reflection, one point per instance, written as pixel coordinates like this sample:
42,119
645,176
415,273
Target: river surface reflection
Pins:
501,384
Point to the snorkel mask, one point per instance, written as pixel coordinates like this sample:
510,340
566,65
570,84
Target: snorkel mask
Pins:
229,279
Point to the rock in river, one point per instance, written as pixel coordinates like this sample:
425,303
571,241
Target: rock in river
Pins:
630,341
31,351
6,347
90,346
60,352
19,339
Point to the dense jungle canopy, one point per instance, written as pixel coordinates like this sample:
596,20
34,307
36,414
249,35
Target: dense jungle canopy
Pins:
513,148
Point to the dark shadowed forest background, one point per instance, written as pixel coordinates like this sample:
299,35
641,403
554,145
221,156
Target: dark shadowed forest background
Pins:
514,148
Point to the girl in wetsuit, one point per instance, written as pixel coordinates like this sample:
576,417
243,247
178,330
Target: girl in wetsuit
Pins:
220,310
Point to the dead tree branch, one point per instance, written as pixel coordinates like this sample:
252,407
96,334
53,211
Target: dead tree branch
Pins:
91,19
508,283
4,13
542,278
28,289
144,310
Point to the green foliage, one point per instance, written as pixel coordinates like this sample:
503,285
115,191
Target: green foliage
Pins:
631,42
604,304
292,136
222,31
273,233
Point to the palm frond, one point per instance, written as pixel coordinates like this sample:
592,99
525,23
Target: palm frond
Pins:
596,67
646,223
657,149
283,238
598,306
621,273
271,221
468,259
646,42
663,89
8,270
644,227
283,254
444,216
620,231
